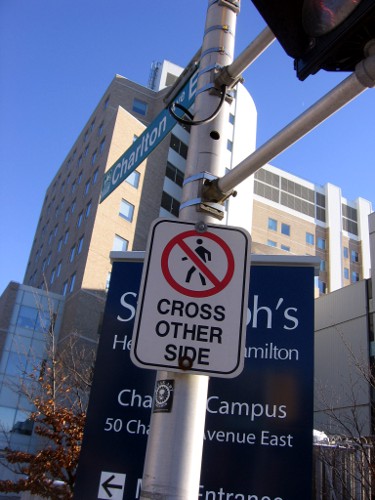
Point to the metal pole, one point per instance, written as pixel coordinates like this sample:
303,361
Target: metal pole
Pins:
174,448
338,97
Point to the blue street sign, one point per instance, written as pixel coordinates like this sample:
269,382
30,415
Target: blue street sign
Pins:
258,431
158,129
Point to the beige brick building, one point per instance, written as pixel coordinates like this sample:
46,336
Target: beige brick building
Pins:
75,233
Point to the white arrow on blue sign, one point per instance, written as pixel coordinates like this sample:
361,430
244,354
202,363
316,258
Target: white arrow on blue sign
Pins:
147,141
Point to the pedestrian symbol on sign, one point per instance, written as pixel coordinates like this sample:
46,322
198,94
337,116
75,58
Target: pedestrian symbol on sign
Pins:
208,258
205,255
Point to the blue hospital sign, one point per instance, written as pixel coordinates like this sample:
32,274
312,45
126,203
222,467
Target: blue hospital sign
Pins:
258,431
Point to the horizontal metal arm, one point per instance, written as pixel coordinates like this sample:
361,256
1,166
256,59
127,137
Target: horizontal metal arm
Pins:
230,75
346,91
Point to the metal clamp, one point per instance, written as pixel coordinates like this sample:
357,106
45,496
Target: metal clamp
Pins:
220,50
212,193
222,27
197,177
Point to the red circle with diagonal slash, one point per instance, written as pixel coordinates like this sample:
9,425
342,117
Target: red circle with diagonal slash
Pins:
218,284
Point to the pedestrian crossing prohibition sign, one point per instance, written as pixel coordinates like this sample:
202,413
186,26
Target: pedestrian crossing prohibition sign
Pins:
192,305
196,253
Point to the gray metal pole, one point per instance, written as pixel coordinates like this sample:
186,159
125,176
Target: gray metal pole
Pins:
174,448
338,97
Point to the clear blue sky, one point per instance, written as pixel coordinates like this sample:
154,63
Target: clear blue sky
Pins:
58,57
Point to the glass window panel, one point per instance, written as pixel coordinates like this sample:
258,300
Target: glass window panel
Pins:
126,210
140,107
272,224
27,317
133,179
120,244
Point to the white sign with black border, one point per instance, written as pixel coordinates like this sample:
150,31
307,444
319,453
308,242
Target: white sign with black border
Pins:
192,307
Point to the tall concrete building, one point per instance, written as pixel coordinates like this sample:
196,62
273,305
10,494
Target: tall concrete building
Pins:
69,259
75,234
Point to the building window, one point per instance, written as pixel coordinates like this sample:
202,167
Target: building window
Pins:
120,244
79,178
66,237
86,151
285,247
140,107
93,157
95,176
271,243
106,103
322,287
101,147
285,229
231,118
321,243
272,224
133,179
88,209
100,129
72,253
52,279
355,276
346,273
229,145
92,125
170,204
354,256
180,147
174,174
346,252
126,210
65,288
80,245
87,187
66,215
79,219
310,239
58,269
322,266
72,282
107,282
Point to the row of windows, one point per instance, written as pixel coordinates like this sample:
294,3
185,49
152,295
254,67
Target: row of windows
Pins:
273,225
68,285
95,155
285,229
354,275
70,210
290,194
272,243
62,242
354,255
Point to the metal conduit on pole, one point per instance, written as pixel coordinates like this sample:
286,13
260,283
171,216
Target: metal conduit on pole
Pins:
346,91
174,448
